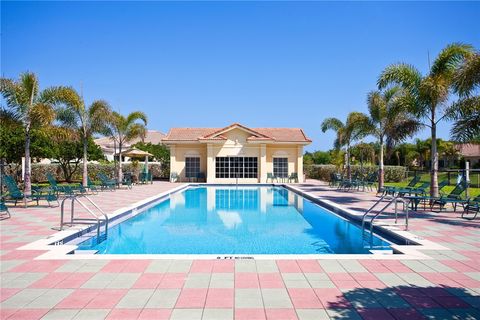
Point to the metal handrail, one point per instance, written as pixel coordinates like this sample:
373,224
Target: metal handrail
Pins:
405,202
372,207
72,213
393,199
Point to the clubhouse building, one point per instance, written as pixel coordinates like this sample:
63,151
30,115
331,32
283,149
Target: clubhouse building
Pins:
236,153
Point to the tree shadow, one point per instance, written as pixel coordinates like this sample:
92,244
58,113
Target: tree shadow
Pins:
401,302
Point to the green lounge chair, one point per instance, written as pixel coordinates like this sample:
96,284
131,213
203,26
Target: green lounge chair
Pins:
65,189
454,197
127,180
293,177
4,213
146,177
106,183
91,186
392,190
271,177
15,194
201,177
471,208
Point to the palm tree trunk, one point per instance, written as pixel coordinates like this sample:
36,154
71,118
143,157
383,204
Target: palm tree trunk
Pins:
434,160
120,172
381,177
349,169
27,181
85,162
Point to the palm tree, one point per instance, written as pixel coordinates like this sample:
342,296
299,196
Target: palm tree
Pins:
32,107
426,97
466,111
124,129
347,132
87,120
388,123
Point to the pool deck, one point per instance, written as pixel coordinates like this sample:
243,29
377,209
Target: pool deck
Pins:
445,286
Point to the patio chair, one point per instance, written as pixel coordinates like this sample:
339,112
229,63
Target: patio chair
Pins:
4,213
471,208
15,194
454,197
106,183
91,186
127,180
271,177
335,179
420,190
146,177
201,177
65,189
174,177
293,177
371,180
392,190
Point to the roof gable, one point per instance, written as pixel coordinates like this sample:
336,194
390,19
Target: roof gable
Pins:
220,132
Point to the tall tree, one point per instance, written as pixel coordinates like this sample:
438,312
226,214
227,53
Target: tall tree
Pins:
87,120
388,123
426,97
32,107
347,132
466,111
123,129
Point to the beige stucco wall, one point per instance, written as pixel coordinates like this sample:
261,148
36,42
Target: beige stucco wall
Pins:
236,145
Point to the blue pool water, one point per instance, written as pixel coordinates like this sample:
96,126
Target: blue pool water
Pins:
229,220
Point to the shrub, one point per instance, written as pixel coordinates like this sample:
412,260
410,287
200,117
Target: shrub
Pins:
323,172
40,170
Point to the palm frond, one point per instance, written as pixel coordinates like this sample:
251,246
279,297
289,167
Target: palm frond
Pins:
29,84
449,59
466,116
137,115
467,77
41,114
331,124
136,130
401,74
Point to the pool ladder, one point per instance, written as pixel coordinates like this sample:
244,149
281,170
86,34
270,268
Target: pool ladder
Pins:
98,219
390,199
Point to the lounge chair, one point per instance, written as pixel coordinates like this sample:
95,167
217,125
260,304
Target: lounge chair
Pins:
4,213
293,177
65,189
454,197
127,180
174,177
335,179
106,183
471,208
201,177
91,186
146,177
271,177
15,194
393,190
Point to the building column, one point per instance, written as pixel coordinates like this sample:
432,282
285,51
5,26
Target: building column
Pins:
210,164
263,163
173,160
300,164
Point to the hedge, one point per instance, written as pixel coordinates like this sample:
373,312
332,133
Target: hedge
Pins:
40,170
324,171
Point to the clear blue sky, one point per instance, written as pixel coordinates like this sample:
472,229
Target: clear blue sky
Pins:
211,64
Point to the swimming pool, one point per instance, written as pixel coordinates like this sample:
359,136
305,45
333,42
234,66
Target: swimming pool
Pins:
235,220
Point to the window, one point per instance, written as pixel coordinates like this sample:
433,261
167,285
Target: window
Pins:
236,167
192,167
280,167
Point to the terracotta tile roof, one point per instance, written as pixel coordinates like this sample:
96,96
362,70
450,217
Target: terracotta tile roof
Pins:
469,149
276,134
154,137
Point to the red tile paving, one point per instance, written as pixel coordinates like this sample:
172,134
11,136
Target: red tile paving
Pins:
447,283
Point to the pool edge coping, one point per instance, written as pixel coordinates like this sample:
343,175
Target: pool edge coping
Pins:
56,249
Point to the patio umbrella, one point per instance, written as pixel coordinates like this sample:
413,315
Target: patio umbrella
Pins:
137,153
